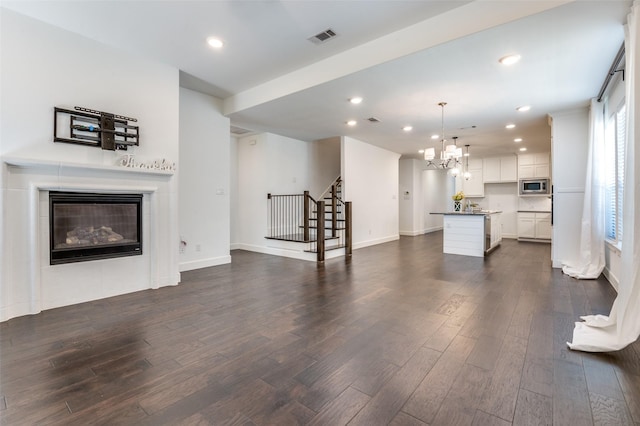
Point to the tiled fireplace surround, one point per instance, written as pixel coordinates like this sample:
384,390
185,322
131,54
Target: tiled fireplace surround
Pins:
30,284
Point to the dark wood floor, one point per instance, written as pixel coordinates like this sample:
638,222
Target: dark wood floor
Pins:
399,335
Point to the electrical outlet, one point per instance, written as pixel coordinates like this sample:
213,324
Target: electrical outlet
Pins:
198,247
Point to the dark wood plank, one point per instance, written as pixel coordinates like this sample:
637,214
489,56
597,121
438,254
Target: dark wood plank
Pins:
533,409
403,419
609,411
342,409
443,336
570,396
601,377
630,384
485,352
372,374
538,377
501,395
461,403
384,406
485,419
425,401
451,305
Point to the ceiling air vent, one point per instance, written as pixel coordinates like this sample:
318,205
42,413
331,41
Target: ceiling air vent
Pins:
323,36
373,120
239,130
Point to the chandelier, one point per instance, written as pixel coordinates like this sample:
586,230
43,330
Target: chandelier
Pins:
450,154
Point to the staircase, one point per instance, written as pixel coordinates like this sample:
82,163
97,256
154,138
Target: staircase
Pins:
302,223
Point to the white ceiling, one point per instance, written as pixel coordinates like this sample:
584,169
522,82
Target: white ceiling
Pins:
402,57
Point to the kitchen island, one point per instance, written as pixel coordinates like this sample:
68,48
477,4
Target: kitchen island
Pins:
471,233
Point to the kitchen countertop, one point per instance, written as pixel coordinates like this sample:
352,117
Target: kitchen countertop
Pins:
476,213
534,211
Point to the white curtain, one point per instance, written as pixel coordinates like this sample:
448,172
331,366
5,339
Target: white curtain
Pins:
601,333
591,261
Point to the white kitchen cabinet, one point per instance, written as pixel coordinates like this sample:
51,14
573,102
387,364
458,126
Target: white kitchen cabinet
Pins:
491,169
500,169
509,169
495,236
526,225
473,187
533,165
534,226
543,226
474,234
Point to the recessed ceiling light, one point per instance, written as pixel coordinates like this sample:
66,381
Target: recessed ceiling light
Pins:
215,42
435,136
352,123
510,126
421,151
355,100
523,108
517,140
407,128
509,59
523,149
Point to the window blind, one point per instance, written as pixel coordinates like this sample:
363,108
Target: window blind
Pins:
614,173
621,131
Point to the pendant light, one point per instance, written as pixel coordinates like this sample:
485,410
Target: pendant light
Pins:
467,173
449,153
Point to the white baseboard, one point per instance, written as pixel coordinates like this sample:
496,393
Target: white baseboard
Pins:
204,263
368,243
310,256
421,232
432,229
278,252
613,280
410,233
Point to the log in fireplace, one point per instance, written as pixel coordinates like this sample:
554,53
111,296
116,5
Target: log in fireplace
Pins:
88,226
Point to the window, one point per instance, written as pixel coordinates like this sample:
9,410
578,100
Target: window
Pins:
614,174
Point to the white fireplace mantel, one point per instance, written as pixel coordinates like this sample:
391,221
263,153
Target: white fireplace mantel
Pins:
31,163
33,284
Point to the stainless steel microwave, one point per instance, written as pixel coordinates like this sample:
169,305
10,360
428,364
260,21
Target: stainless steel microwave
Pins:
534,186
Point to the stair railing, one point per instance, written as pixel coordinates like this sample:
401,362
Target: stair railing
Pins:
299,217
285,214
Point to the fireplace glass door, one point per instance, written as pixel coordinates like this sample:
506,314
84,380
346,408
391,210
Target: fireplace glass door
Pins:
85,226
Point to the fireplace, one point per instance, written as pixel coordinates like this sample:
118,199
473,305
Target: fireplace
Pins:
87,226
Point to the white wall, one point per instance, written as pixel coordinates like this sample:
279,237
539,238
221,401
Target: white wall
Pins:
437,189
42,66
204,188
267,163
324,165
429,191
569,149
371,184
410,195
233,192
